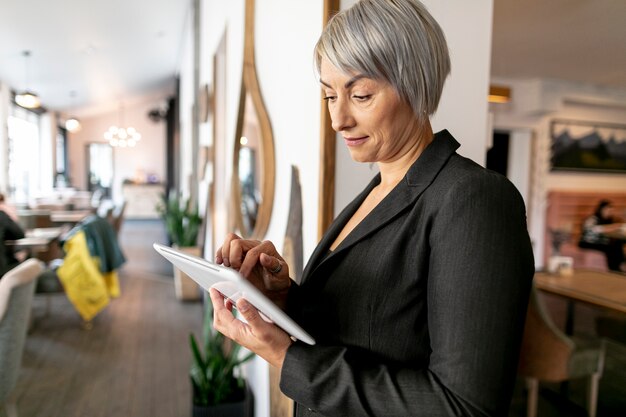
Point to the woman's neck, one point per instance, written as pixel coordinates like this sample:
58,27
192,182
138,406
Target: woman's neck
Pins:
391,173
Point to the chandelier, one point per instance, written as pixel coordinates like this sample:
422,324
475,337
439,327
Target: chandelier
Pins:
122,137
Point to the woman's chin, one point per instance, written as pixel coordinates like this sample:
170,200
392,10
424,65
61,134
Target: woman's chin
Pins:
358,156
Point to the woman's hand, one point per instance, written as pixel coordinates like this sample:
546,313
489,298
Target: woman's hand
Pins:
265,339
258,262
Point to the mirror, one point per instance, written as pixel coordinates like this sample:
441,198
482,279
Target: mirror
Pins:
328,142
253,157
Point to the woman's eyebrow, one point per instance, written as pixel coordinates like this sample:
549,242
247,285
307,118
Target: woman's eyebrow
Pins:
349,83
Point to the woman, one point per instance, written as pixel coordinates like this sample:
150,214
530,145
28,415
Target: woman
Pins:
592,236
417,293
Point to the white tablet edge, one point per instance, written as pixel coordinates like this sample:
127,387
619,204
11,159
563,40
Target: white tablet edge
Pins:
187,263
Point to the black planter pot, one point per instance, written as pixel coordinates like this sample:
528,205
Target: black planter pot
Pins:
222,410
243,408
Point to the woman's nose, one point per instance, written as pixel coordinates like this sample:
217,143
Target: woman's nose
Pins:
341,116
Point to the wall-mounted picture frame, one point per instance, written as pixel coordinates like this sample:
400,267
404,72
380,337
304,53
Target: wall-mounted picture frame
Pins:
587,146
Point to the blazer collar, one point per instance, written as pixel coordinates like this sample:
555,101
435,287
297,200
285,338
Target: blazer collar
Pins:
418,178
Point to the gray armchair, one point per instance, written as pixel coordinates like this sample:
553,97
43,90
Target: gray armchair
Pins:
16,294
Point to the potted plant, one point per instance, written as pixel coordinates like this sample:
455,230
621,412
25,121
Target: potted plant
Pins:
218,389
182,222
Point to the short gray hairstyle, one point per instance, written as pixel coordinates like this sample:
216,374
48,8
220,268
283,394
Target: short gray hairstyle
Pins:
393,40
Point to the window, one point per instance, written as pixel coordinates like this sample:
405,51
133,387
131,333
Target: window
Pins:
100,167
61,169
23,126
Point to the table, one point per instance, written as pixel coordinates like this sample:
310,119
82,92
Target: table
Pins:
40,242
598,288
45,232
619,234
32,243
70,216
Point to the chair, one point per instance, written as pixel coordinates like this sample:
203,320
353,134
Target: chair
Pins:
16,294
118,217
547,354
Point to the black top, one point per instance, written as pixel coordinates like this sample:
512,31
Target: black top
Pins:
9,230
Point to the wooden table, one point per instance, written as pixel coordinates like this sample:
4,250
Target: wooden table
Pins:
31,243
619,234
71,216
597,288
46,232
40,242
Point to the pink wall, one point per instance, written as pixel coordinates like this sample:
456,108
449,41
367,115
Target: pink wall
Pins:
148,156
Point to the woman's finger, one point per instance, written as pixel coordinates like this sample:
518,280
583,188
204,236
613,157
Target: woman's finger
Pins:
271,263
223,317
252,257
223,254
259,327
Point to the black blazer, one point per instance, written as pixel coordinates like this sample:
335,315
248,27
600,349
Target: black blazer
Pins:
420,310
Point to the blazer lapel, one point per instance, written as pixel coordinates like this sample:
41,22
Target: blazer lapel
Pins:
418,178
335,228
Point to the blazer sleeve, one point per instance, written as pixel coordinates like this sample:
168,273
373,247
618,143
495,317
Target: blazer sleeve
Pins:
480,272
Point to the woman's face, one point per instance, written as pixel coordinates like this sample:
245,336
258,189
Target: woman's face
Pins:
377,126
607,211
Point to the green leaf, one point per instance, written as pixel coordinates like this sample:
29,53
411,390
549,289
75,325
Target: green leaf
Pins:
213,368
182,220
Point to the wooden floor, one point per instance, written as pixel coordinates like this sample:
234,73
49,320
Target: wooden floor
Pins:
135,359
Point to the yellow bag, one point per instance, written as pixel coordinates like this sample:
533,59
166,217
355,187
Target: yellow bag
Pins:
83,282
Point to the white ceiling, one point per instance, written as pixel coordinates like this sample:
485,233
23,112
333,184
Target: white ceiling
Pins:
109,50
104,50
576,40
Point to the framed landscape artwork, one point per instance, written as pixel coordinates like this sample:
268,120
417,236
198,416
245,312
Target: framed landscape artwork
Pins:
588,146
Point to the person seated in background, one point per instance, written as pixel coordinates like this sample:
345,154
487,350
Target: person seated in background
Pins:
9,230
8,209
593,236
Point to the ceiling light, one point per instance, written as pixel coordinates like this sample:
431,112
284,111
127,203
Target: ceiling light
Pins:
499,94
72,125
122,137
27,99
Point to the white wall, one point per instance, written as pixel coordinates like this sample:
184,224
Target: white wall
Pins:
534,104
147,157
463,107
5,101
292,99
185,105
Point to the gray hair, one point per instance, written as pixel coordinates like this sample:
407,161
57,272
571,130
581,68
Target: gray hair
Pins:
393,40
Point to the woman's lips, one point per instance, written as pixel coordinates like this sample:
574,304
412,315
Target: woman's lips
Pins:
355,141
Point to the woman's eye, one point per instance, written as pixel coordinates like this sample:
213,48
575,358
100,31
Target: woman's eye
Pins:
330,98
362,98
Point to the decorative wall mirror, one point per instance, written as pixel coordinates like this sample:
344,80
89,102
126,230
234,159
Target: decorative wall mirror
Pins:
328,141
253,158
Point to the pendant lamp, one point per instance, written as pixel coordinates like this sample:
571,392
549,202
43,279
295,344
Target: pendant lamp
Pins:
26,98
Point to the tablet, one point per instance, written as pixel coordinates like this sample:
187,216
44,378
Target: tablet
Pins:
233,286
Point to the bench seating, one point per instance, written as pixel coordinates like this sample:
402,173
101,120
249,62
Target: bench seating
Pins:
566,211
